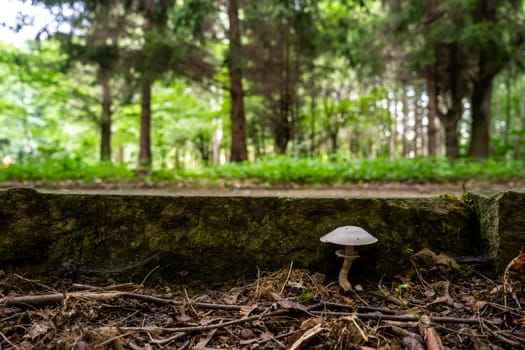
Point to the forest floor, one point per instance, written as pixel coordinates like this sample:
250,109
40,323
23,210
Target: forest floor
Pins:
429,307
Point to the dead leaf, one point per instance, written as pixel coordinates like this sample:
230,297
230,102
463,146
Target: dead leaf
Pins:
478,305
37,329
289,304
246,310
182,316
231,299
276,296
311,322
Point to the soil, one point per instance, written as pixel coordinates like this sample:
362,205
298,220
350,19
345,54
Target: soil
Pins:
433,306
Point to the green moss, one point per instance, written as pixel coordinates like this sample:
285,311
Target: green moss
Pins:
220,237
307,296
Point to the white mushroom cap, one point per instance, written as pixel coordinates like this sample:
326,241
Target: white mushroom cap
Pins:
349,235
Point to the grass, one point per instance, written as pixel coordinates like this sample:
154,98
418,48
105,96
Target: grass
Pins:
51,170
317,171
277,170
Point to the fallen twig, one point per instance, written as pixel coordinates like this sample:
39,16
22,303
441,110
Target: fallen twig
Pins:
401,318
203,327
54,298
34,282
501,337
106,288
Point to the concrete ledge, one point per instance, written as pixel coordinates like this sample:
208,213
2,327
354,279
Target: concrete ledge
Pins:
216,238
501,217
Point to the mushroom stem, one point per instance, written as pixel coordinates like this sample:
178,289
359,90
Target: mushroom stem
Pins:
350,256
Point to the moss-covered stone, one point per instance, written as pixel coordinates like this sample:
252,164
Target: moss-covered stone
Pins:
501,217
215,238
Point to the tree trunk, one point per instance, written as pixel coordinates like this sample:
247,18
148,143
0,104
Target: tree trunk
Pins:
521,139
508,112
145,126
431,80
418,124
480,135
491,60
450,124
451,118
282,127
105,122
393,127
405,122
313,107
238,150
432,111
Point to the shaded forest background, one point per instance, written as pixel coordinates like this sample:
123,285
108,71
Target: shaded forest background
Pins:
167,84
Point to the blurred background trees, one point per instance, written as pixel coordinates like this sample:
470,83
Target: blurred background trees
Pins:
177,84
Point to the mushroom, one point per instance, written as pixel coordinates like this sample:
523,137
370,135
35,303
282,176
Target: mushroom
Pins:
349,236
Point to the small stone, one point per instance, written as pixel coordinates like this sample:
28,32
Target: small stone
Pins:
247,333
358,288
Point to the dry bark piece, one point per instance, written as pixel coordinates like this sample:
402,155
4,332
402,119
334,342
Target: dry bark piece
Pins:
432,339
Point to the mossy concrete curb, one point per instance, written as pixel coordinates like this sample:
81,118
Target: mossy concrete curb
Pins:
216,238
501,216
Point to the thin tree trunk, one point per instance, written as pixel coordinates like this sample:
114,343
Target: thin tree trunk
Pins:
450,125
238,149
451,118
431,80
508,119
313,107
406,126
432,111
145,126
418,126
521,138
393,124
480,135
105,122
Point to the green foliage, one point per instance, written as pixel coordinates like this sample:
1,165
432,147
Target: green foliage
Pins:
275,170
285,169
60,169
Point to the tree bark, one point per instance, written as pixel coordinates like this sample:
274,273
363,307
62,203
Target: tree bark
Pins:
521,141
393,126
145,126
480,135
450,124
491,60
238,149
105,122
508,112
432,111
418,124
405,122
451,118
431,80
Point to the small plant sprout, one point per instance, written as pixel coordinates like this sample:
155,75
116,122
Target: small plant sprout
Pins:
349,236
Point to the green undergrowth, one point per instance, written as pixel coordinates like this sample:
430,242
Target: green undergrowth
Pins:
64,169
275,170
317,171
